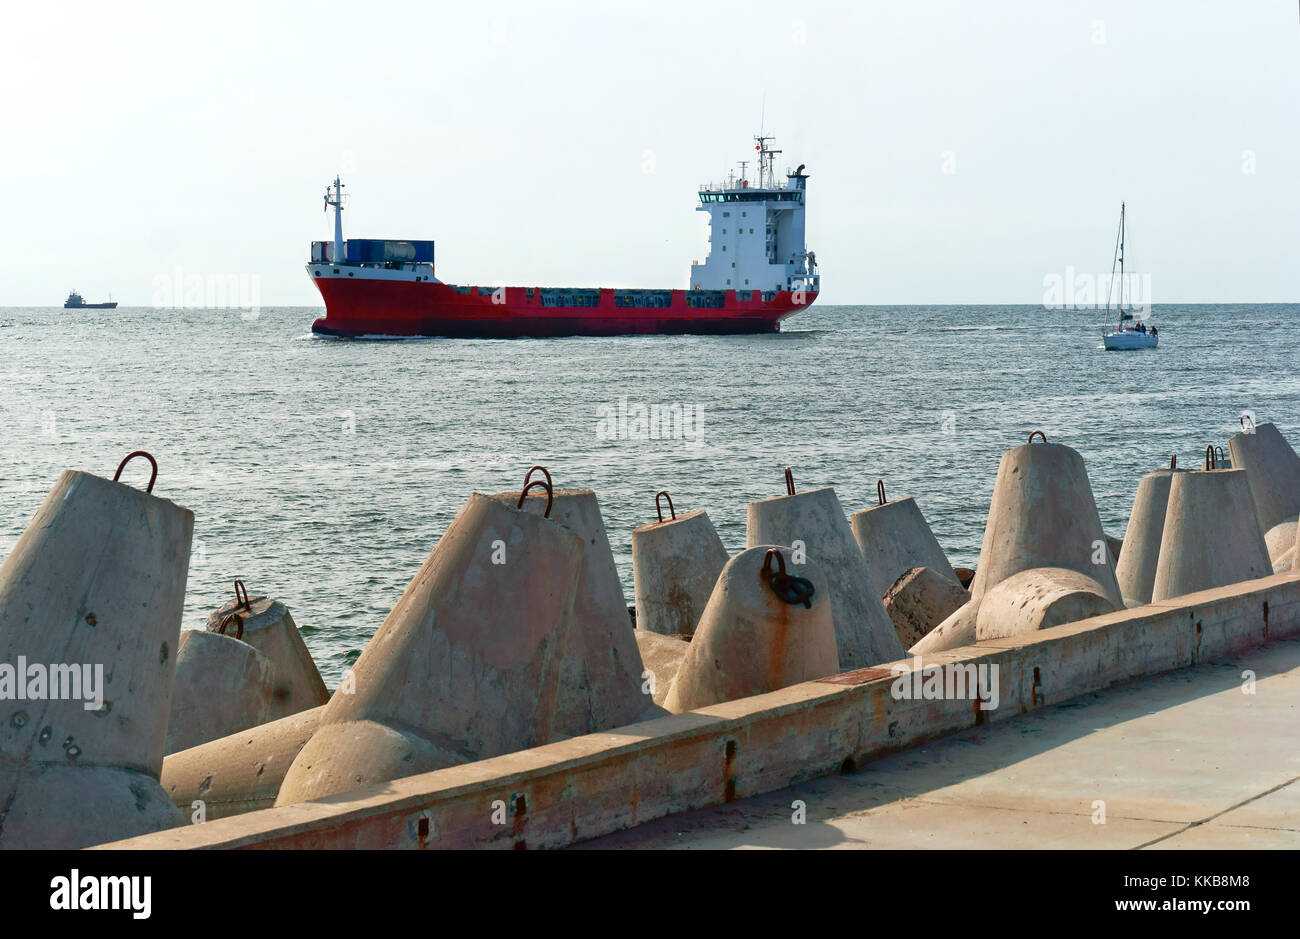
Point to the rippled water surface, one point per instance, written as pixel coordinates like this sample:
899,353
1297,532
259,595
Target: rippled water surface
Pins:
323,472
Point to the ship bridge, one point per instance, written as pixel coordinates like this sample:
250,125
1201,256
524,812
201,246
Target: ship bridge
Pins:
756,230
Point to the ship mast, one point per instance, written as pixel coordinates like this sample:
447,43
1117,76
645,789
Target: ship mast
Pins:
1121,265
766,161
337,203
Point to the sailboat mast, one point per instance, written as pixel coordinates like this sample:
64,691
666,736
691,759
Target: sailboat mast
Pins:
1121,265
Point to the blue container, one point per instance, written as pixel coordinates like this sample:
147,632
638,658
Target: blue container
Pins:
377,250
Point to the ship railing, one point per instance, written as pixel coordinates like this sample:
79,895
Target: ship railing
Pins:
728,185
735,186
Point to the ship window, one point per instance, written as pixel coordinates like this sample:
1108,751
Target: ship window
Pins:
724,231
751,231
724,247
743,214
726,215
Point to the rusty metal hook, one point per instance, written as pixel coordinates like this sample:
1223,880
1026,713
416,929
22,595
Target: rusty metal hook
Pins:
1218,455
529,475
788,589
239,622
659,509
131,456
1173,461
536,484
242,601
767,562
1037,433
880,491
1210,462
789,482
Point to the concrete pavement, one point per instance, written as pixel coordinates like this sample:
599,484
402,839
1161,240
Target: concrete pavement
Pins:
1187,759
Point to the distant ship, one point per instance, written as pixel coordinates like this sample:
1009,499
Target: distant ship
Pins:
757,273
76,302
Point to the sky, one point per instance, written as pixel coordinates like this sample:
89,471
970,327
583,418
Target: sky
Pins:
958,152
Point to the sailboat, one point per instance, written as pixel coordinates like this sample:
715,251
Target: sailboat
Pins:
1129,333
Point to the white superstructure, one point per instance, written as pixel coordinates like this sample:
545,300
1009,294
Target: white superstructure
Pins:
756,231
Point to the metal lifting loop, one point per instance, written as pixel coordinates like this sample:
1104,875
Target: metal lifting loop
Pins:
1037,433
1173,461
242,600
529,475
1210,462
239,623
1246,417
1218,455
789,482
880,490
131,456
788,589
538,484
658,508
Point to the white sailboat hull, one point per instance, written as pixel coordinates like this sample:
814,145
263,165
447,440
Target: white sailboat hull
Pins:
1129,339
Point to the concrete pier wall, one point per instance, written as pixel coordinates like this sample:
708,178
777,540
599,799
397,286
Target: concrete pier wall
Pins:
555,795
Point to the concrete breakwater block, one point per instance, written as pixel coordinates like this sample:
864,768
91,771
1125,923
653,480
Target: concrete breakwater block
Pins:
90,613
1136,570
1211,534
1273,469
600,678
1281,538
675,563
1042,515
1039,598
662,657
919,601
239,773
813,523
466,666
895,538
752,638
270,629
222,686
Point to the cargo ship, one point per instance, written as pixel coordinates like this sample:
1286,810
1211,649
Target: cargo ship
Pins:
76,302
757,273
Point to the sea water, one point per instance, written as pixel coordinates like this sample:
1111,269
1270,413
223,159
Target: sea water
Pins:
322,472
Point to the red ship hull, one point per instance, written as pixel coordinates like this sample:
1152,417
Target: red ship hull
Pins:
372,307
